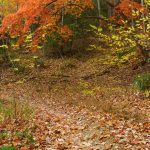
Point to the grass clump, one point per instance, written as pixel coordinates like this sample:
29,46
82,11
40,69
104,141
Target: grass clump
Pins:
14,109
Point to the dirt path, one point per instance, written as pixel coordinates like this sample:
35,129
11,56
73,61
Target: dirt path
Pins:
59,125
78,106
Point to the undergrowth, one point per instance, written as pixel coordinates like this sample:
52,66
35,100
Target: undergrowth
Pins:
142,82
14,109
14,113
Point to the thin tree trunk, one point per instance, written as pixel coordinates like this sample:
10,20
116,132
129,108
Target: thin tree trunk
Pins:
99,7
99,10
62,18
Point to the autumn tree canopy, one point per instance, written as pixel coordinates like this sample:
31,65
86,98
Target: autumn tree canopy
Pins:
45,15
125,11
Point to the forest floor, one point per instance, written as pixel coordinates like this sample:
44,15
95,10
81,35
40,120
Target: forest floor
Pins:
78,104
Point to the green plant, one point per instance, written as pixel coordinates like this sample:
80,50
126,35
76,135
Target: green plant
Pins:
38,62
23,136
142,82
7,148
17,66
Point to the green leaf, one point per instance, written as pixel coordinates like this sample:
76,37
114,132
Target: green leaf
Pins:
4,46
16,60
147,93
7,148
93,27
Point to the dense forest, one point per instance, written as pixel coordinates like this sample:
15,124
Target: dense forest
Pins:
74,74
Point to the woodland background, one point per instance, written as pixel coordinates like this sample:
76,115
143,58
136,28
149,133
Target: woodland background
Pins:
74,74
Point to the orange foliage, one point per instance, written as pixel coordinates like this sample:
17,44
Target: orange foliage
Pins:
46,14
124,10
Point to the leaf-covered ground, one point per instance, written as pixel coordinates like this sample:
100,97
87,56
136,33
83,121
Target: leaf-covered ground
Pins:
76,106
71,127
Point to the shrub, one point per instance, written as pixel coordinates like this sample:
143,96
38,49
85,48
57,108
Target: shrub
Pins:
142,81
